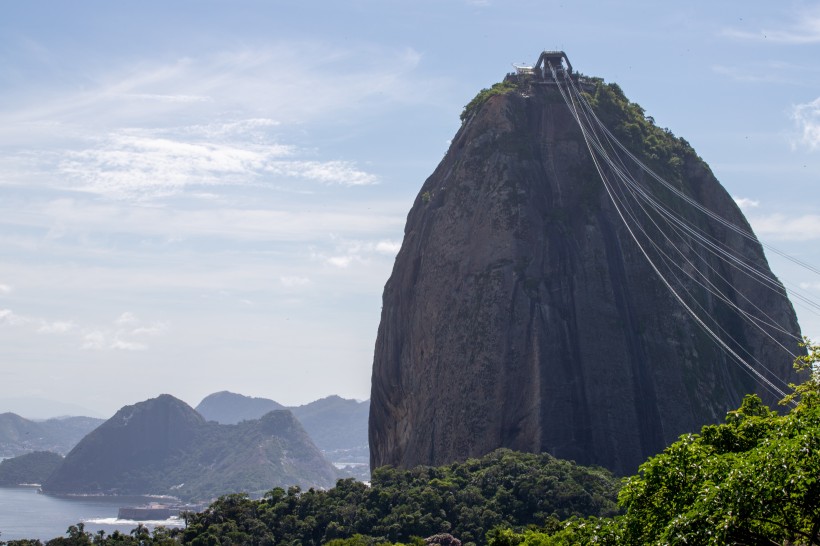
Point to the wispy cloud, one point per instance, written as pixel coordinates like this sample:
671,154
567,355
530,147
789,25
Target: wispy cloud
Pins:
349,252
814,286
75,217
40,325
120,137
127,332
4,288
145,164
57,327
167,98
780,227
142,164
761,72
746,203
10,318
294,281
272,82
803,29
391,248
807,118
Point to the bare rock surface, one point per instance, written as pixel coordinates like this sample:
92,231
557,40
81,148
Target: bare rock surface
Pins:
520,314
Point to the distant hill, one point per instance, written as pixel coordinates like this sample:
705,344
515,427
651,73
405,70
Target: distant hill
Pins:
31,468
19,435
163,446
229,408
337,426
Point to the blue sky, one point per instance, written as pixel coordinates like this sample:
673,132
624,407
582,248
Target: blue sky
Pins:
207,195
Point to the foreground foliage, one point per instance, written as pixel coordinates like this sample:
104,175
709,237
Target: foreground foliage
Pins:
504,489
750,481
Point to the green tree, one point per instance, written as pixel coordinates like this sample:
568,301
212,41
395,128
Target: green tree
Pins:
753,480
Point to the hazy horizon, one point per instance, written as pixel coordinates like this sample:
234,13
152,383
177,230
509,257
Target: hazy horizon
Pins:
37,408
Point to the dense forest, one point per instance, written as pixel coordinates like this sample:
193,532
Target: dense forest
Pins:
750,480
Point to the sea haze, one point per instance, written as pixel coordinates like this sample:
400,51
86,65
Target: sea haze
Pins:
25,513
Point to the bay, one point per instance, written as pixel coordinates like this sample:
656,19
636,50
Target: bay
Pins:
25,513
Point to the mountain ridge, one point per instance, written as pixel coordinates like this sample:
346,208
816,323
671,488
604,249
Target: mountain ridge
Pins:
19,435
163,446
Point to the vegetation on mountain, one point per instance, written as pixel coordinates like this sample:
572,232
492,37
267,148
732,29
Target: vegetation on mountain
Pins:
163,446
483,95
663,151
30,468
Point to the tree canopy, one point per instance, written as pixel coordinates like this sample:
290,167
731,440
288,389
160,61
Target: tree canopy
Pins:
752,480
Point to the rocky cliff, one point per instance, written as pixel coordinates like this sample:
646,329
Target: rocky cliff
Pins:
521,314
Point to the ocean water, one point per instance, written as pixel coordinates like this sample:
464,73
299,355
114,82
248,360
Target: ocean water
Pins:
25,513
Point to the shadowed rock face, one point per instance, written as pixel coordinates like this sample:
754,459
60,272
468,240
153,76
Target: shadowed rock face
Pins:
520,314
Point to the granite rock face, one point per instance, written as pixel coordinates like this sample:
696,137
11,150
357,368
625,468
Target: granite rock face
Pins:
520,314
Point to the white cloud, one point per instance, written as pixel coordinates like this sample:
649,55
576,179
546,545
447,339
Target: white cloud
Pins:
10,318
152,330
787,228
5,289
58,327
121,136
340,261
94,340
271,82
746,203
757,73
328,172
294,281
167,98
388,247
350,251
804,29
126,318
151,164
142,164
122,336
815,286
123,345
68,216
40,325
807,118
